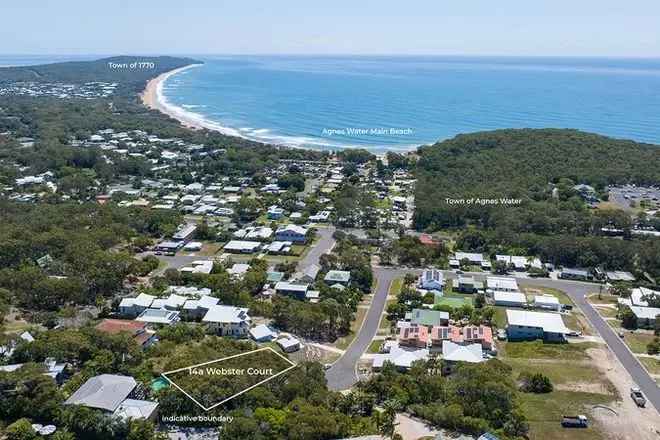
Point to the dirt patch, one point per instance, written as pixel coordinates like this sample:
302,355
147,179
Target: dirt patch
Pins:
584,387
629,422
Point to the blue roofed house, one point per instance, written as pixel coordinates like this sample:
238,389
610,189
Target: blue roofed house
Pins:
432,279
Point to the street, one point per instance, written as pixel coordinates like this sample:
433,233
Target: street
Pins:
342,375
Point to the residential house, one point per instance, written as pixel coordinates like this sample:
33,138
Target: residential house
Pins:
548,302
574,274
228,320
527,325
414,336
342,277
293,233
289,344
108,392
431,279
195,309
509,299
242,247
158,317
453,353
401,357
138,330
132,307
502,284
274,213
291,289
263,333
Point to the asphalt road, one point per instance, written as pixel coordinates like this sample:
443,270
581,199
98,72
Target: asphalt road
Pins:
342,375
324,245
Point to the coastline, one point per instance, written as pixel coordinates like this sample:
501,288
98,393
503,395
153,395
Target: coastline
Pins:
153,98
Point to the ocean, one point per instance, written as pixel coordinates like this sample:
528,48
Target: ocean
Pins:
398,103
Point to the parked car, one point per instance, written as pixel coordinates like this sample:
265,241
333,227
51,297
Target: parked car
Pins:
579,421
637,396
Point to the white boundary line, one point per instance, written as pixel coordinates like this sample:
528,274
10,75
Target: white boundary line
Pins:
293,365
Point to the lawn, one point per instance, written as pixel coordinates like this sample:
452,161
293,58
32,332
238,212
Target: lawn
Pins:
637,341
395,287
499,318
541,350
604,299
374,347
651,364
606,312
452,302
544,413
559,372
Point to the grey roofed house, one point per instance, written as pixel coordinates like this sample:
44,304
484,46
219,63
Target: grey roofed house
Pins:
311,272
105,392
136,409
337,276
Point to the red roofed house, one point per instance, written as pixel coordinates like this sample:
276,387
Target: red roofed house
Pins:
470,334
414,336
428,240
137,329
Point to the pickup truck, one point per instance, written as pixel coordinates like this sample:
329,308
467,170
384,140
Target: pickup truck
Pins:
579,421
637,396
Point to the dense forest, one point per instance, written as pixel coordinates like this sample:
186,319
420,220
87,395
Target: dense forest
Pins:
521,164
539,168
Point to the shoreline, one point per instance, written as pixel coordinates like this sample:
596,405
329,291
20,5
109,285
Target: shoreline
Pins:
153,98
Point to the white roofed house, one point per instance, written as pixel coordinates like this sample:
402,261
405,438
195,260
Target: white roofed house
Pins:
520,263
526,325
509,299
196,308
402,358
453,353
432,279
158,317
473,258
646,316
228,321
132,307
548,302
502,284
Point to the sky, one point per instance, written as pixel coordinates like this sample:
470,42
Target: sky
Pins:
443,27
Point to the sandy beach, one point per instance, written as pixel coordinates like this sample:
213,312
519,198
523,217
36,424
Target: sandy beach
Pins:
152,97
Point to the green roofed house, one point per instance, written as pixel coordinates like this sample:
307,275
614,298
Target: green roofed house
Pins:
337,276
427,318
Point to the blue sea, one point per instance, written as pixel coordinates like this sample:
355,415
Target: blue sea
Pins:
398,103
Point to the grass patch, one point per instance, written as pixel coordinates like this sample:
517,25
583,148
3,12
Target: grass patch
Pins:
637,341
374,347
651,364
396,286
606,312
604,299
499,317
559,372
544,413
540,350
